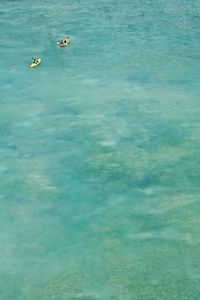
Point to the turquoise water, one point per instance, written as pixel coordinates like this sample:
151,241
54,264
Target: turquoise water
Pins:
99,150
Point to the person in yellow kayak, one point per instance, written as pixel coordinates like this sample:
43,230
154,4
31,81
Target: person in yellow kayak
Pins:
35,60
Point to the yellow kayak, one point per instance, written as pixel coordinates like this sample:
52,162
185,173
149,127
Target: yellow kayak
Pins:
36,63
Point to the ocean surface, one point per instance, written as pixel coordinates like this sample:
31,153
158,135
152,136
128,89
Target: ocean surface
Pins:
100,150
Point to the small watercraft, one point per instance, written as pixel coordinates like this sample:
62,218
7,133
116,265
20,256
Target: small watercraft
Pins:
64,43
36,62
